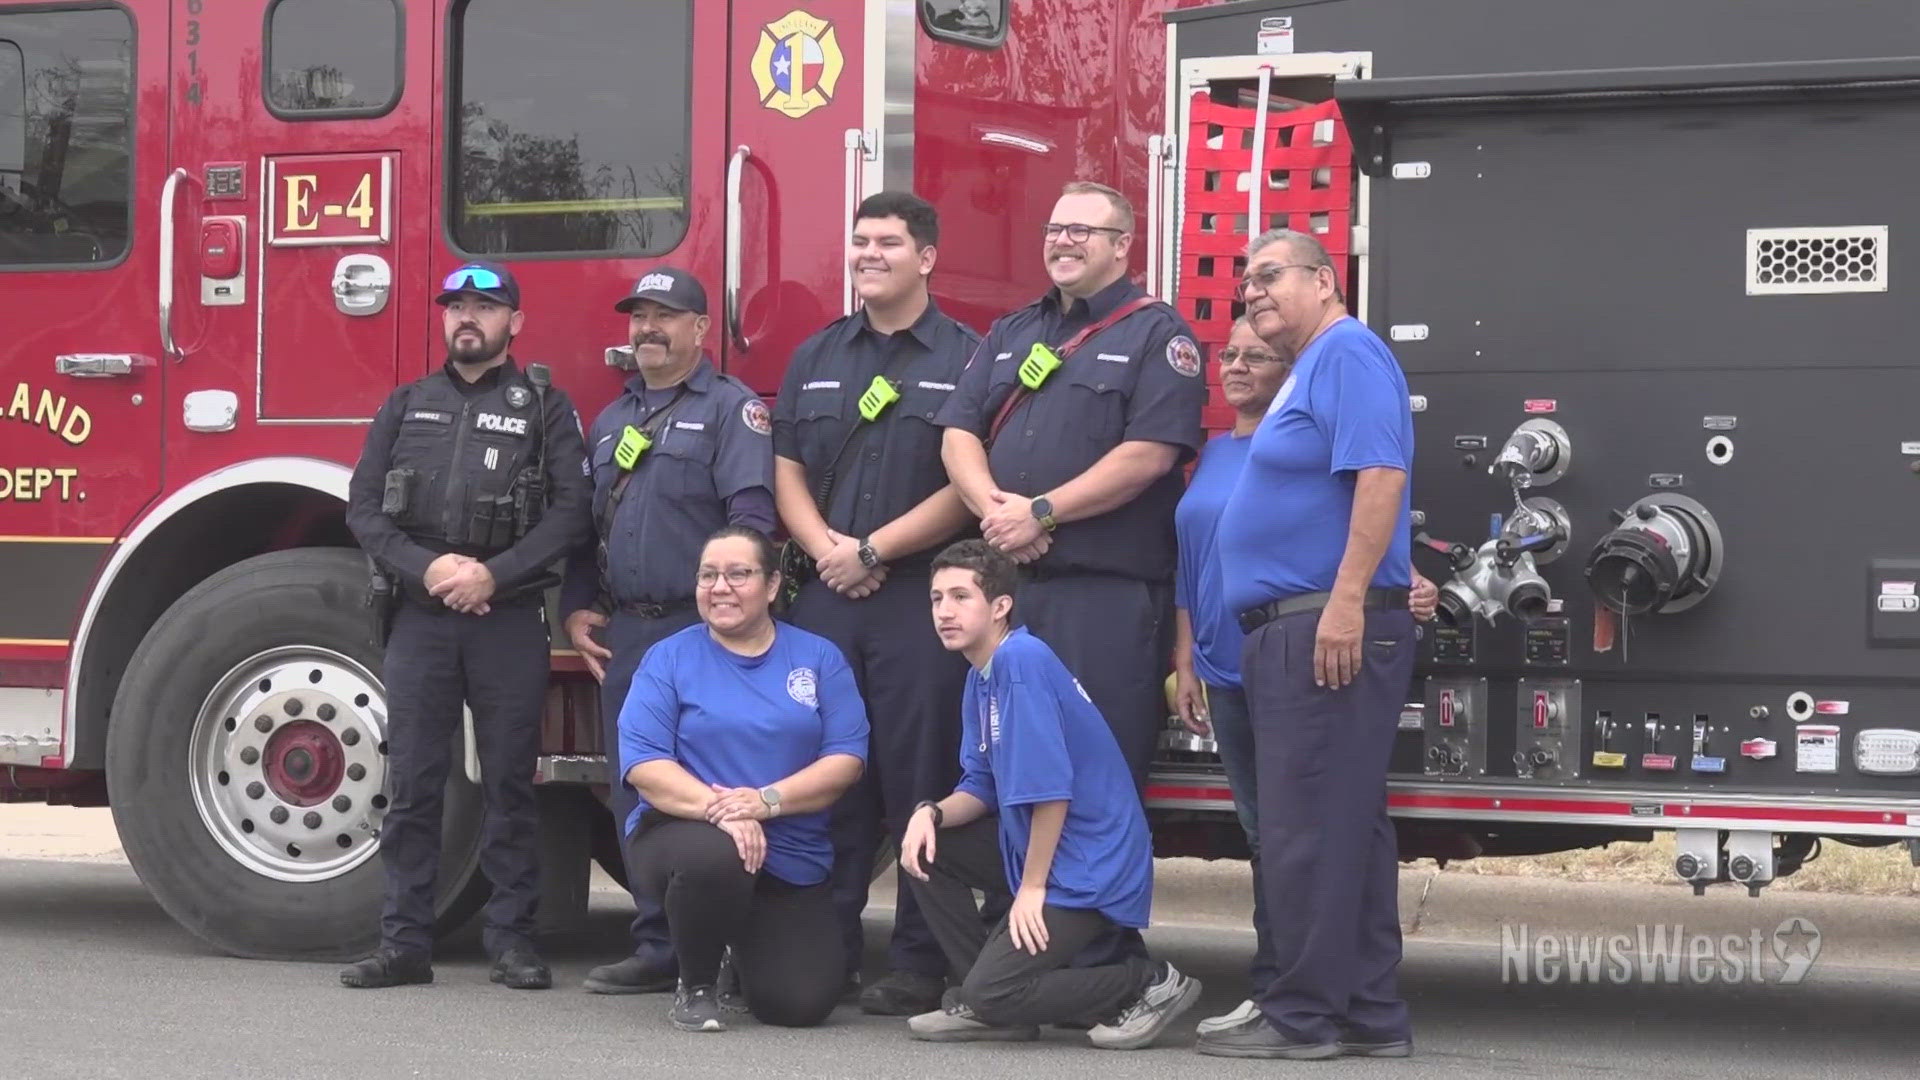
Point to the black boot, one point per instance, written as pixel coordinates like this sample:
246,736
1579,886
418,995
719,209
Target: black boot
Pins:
632,976
903,993
522,969
388,967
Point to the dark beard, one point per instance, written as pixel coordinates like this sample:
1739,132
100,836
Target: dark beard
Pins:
476,356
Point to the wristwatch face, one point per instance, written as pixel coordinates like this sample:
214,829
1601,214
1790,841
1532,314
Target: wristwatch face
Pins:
869,558
1043,507
770,796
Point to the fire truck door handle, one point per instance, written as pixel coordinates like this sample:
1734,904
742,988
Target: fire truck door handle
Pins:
167,196
735,168
96,365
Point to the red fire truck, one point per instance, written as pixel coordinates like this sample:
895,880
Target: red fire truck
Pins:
221,222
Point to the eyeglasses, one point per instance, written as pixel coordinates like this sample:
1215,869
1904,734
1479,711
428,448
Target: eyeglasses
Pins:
1253,357
1080,234
1267,275
736,576
473,277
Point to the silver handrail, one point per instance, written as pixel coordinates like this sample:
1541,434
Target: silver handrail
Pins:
167,194
735,167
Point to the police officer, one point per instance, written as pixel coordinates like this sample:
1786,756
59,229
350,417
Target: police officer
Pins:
1071,461
470,486
683,451
862,490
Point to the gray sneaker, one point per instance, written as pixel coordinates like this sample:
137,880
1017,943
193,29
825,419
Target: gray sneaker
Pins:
1242,1013
954,1021
696,1008
1159,1005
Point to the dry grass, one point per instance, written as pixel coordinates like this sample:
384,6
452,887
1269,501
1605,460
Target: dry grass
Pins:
1838,868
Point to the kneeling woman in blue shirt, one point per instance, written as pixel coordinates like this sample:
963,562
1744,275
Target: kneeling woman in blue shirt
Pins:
738,736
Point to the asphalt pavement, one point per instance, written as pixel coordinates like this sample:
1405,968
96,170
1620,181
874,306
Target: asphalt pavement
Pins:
99,983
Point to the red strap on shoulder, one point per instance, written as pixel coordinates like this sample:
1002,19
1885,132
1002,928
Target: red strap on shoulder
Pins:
1020,391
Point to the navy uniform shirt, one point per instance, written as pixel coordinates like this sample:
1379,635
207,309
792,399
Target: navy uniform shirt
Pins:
1137,380
893,464
713,447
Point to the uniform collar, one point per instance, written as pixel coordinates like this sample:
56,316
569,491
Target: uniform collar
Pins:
488,379
1100,304
699,380
923,328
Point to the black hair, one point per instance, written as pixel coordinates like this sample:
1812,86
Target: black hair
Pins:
994,569
923,221
763,550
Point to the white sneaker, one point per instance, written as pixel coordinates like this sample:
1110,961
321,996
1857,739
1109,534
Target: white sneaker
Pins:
1246,1011
1158,1006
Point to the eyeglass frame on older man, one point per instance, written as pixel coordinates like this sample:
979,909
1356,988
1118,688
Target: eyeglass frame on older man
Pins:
1264,277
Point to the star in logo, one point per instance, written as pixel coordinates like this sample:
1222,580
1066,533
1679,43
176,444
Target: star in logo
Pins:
1796,944
797,64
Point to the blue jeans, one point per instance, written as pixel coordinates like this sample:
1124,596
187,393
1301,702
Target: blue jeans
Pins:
1233,734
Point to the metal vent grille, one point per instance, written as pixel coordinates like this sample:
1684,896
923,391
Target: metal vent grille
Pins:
1849,259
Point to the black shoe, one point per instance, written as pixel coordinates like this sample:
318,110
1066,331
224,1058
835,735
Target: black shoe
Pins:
727,987
1369,1044
522,969
903,993
850,990
1255,1038
388,967
631,976
696,1008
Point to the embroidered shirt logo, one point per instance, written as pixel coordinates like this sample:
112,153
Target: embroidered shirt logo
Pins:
803,687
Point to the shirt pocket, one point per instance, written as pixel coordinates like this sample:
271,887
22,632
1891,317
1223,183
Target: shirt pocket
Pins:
1094,401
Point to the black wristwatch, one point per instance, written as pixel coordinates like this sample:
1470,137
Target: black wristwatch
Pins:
869,558
1043,512
939,816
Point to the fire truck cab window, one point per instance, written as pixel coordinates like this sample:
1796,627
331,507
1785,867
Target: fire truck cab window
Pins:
573,126
966,22
66,136
331,58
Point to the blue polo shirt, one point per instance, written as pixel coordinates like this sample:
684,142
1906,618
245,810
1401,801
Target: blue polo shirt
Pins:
1197,588
1031,735
747,721
1284,530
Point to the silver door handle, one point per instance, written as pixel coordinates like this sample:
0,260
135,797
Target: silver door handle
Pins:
167,194
94,365
735,167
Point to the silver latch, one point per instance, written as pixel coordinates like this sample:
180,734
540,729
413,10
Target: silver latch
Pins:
361,284
95,365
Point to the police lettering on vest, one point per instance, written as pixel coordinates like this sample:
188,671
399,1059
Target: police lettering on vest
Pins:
511,425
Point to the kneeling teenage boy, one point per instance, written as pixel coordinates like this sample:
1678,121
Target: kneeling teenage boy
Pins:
1069,841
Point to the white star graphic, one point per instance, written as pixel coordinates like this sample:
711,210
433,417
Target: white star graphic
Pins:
781,66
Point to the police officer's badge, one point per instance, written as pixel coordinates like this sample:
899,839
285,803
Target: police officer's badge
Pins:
1184,356
755,415
518,396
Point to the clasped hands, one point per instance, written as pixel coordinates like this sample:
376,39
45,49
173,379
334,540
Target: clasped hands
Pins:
1009,525
462,582
738,812
843,571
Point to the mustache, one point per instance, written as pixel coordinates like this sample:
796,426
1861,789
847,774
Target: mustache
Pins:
654,338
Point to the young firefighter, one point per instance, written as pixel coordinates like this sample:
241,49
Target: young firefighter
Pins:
1070,840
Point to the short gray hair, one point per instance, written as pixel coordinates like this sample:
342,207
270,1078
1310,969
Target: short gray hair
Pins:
1301,246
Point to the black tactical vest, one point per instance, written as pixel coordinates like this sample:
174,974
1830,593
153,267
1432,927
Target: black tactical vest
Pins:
466,467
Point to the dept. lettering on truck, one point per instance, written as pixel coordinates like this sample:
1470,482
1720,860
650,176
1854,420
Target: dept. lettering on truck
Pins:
70,423
31,483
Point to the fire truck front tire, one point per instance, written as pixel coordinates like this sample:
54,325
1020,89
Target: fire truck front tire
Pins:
246,764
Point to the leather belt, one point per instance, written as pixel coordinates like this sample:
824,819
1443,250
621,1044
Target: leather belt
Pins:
1376,600
656,611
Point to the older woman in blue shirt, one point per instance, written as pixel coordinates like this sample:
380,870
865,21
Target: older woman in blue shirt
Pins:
1206,664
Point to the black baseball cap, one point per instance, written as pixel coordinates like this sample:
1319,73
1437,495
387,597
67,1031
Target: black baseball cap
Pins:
491,280
667,285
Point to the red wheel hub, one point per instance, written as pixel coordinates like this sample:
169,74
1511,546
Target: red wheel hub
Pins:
304,763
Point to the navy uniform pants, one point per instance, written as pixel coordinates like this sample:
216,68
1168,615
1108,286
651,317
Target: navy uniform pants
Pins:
1115,635
1329,863
497,664
628,638
912,688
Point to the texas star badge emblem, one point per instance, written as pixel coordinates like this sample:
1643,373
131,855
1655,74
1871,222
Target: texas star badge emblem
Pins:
797,64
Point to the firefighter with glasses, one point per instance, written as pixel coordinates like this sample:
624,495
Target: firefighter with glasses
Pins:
470,485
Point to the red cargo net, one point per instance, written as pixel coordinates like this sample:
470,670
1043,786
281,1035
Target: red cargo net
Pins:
1309,188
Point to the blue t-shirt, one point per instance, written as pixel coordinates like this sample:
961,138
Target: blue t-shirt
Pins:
748,721
1197,587
1284,530
1031,735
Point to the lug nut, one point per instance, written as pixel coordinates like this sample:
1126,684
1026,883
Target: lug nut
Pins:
312,820
250,756
263,725
279,815
325,712
356,772
350,737
293,706
342,803
256,789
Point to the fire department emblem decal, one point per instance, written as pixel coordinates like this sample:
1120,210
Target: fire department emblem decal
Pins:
803,687
754,414
797,64
1184,355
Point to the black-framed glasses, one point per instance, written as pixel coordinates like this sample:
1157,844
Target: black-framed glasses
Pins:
1264,277
1079,233
1253,357
737,576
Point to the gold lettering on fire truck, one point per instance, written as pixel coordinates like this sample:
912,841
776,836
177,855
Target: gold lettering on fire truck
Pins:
330,199
300,218
70,423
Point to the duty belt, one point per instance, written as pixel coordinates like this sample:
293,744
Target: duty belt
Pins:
655,611
1376,600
